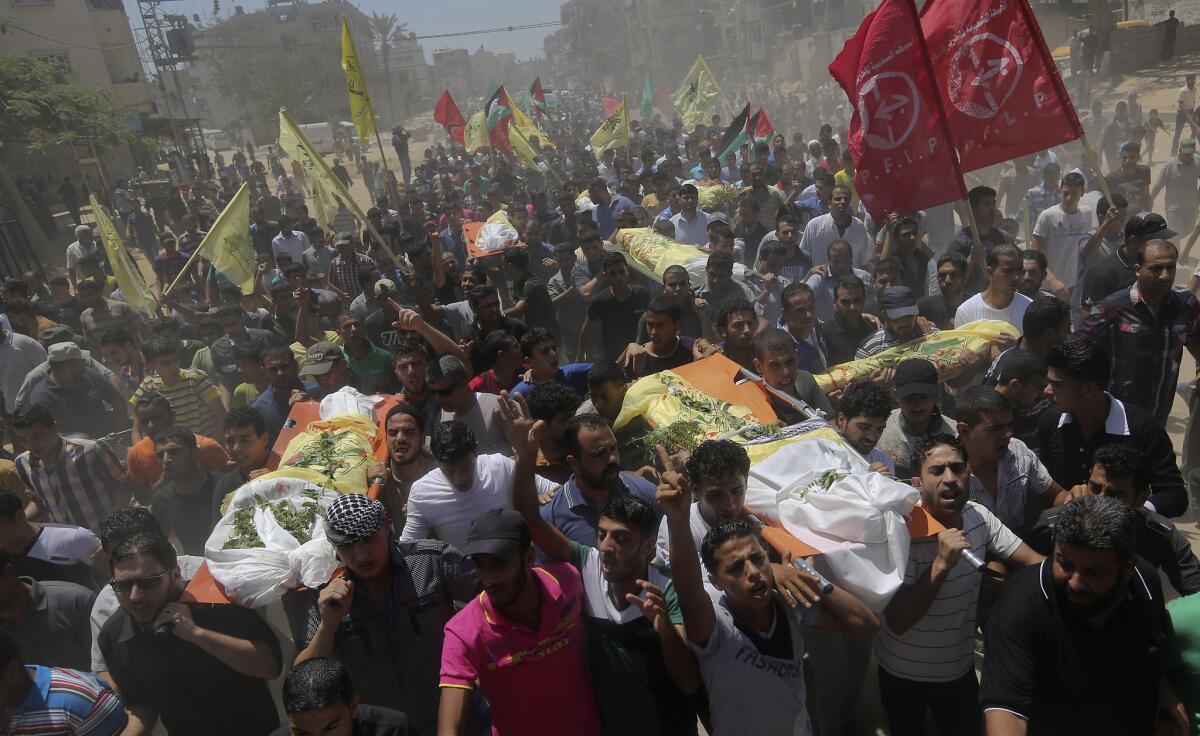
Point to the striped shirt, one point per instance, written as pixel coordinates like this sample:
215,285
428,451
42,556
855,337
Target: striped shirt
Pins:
82,487
343,272
189,398
940,647
64,701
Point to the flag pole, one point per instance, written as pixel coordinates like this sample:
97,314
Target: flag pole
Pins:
382,155
1095,162
216,224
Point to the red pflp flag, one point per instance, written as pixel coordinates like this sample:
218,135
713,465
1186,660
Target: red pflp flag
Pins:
447,115
1000,89
610,106
898,135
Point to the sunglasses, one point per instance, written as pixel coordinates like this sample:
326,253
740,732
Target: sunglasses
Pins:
125,587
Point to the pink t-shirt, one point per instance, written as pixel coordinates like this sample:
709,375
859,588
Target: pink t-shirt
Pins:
536,681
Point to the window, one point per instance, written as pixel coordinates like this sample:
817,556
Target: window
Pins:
19,3
105,5
62,58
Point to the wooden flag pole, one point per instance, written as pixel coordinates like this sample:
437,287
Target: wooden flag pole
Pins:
1094,161
382,155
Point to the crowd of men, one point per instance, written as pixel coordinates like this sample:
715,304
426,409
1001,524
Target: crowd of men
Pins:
531,566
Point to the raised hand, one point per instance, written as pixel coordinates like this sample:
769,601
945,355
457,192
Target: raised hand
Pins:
335,599
674,493
653,604
522,432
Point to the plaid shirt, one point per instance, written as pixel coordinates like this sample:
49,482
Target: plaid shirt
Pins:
343,272
1145,346
83,486
883,340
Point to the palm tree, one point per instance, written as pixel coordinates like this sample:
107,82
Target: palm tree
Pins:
385,31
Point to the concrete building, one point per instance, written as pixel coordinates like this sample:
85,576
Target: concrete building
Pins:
94,40
410,77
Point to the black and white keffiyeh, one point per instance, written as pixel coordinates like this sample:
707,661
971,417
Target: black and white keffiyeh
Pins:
353,517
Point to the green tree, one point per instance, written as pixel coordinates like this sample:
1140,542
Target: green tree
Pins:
261,76
385,31
41,110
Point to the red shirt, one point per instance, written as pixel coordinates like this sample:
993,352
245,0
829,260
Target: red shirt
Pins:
523,671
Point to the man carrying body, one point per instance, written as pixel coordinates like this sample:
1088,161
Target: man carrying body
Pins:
185,504
775,361
384,618
926,646
749,644
202,669
898,308
1000,300
917,391
467,482
862,414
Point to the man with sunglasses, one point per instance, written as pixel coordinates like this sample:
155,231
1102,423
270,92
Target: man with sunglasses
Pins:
203,669
384,618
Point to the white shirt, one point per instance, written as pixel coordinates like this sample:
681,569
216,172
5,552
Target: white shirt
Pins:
694,232
293,246
821,231
940,646
64,544
1187,98
437,509
1062,233
78,250
976,308
19,355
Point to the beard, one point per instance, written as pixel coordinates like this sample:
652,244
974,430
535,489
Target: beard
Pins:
1092,605
604,479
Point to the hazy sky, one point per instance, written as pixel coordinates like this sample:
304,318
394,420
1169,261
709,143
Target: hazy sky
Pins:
440,16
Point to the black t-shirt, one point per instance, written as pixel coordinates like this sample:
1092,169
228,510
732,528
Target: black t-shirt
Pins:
193,692
66,313
370,720
935,309
380,330
191,517
842,340
681,355
1062,674
1110,275
539,310
618,319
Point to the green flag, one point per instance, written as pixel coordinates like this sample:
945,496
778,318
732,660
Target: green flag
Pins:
648,97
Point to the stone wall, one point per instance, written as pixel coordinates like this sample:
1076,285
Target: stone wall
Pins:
1141,48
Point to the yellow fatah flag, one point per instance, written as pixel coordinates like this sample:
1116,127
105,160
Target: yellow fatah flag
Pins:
129,276
521,122
227,245
697,93
356,87
475,137
522,148
328,193
614,132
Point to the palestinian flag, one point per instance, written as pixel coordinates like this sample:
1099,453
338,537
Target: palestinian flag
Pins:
761,127
738,132
538,96
499,115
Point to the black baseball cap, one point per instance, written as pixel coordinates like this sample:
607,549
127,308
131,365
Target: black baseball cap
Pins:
497,532
898,301
916,376
1148,225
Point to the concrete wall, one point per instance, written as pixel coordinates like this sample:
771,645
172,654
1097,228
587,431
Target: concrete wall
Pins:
1141,48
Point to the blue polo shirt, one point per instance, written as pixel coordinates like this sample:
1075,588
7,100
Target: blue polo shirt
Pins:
275,407
576,517
606,217
573,376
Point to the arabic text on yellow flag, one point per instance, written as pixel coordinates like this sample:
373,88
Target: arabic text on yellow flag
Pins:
475,136
356,87
612,133
129,276
227,245
697,93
